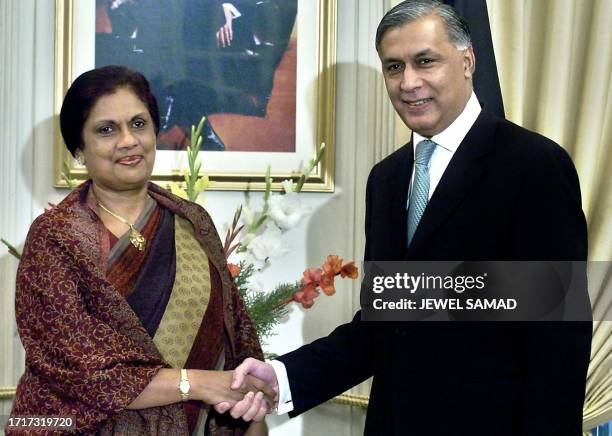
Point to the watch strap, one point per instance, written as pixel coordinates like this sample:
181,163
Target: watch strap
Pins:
184,382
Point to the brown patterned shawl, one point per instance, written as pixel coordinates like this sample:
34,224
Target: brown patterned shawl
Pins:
87,354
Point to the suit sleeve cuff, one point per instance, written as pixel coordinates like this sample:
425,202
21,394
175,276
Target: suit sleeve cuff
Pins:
285,402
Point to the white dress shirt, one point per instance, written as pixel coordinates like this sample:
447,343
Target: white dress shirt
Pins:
447,143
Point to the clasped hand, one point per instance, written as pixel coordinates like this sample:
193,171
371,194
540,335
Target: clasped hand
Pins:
253,392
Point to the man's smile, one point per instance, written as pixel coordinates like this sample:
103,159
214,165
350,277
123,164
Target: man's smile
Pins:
417,103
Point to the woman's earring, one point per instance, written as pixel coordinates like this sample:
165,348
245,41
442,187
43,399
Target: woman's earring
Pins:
80,159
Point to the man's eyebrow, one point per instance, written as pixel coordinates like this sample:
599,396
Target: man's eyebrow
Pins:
425,52
419,54
390,60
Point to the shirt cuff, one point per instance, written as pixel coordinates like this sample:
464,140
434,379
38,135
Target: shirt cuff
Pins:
285,402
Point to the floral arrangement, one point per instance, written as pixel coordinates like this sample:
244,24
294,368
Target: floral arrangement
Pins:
254,238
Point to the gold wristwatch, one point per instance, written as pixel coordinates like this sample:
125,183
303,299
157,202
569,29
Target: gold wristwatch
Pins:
184,385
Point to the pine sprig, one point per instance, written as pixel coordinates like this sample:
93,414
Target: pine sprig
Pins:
266,309
243,277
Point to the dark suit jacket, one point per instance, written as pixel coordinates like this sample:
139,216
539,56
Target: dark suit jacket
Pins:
507,194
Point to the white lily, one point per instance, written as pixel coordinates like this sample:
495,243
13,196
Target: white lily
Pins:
288,186
268,244
287,210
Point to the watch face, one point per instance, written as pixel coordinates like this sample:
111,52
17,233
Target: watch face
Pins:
184,386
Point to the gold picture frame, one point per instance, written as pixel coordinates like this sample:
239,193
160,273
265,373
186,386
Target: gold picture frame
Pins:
317,88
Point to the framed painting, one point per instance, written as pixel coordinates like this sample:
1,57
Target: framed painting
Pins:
261,73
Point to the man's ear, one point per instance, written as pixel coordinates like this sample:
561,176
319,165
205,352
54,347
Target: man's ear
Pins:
469,62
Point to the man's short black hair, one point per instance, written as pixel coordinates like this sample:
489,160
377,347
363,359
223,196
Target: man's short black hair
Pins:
410,10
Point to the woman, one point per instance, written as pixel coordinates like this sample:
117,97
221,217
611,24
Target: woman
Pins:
123,285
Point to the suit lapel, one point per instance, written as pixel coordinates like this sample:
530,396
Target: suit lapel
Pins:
459,178
396,186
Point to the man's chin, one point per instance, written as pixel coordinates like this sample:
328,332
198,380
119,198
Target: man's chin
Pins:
420,126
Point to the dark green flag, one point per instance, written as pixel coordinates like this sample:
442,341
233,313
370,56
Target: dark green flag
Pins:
486,79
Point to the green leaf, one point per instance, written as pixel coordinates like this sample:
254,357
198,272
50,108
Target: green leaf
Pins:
311,165
194,183
12,250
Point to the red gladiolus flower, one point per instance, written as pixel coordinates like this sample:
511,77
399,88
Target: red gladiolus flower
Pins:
233,269
332,265
306,296
316,279
310,283
327,284
349,270
312,277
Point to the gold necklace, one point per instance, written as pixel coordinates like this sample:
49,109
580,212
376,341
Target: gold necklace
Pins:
136,237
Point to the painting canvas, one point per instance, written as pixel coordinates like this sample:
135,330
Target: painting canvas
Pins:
232,62
261,72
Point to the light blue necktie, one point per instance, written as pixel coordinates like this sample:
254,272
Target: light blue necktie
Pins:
420,186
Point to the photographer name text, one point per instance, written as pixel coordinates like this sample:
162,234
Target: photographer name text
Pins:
446,304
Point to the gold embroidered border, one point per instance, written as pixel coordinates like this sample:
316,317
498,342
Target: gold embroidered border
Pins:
189,299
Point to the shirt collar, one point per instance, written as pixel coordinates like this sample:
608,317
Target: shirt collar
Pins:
451,137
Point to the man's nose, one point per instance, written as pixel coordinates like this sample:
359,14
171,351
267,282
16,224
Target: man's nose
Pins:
411,79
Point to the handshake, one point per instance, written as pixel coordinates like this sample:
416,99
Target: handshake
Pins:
252,393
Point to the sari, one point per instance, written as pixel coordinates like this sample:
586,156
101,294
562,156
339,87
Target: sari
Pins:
98,319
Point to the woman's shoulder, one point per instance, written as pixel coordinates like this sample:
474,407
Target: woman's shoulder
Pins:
177,205
57,218
62,224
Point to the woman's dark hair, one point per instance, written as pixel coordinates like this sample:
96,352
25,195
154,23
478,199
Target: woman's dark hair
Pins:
89,87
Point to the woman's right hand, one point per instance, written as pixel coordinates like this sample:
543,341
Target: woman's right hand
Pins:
211,387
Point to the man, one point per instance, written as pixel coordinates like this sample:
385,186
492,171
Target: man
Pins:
493,191
238,53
